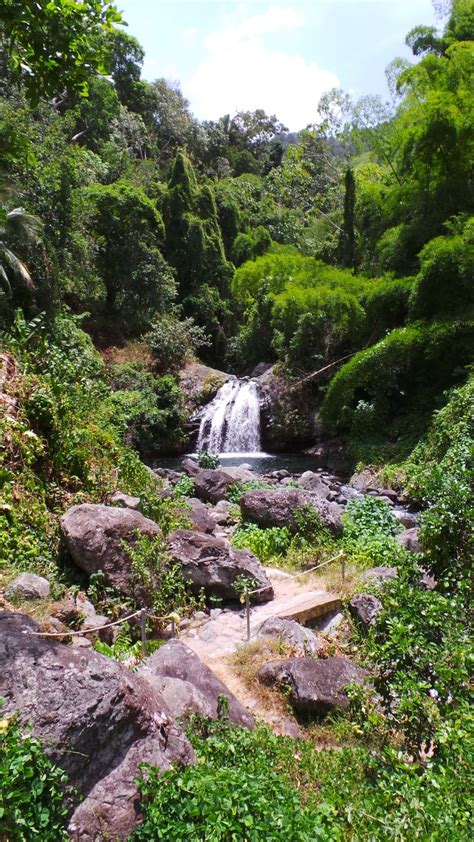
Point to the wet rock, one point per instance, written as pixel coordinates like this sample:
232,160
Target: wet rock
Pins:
28,586
96,538
213,564
96,719
365,607
277,507
303,641
314,686
189,686
409,540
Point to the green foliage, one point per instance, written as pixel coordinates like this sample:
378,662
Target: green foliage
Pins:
173,342
33,789
146,411
122,233
440,476
184,487
249,785
369,530
232,793
384,397
264,543
444,286
57,43
207,460
250,245
124,649
235,491
156,575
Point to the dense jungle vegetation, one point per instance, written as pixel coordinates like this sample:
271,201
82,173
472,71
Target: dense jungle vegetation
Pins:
134,238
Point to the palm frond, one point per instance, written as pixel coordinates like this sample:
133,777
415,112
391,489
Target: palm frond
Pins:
15,265
23,224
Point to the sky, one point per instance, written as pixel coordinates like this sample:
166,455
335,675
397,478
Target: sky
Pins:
280,56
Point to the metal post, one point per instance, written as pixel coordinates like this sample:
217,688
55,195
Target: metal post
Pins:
343,569
173,628
247,609
143,630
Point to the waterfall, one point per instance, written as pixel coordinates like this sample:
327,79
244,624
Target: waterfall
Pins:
231,422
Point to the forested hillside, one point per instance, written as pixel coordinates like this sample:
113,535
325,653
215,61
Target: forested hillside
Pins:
135,239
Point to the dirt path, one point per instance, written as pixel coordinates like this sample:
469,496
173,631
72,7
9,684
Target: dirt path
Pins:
214,640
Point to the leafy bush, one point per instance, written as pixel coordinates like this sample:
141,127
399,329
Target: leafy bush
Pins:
369,529
173,341
384,397
33,789
184,487
207,460
444,286
264,543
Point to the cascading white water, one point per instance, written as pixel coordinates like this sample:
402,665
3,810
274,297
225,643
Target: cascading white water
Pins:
231,422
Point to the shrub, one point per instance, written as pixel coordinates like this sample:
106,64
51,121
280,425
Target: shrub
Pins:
386,395
264,543
207,460
369,529
32,789
172,342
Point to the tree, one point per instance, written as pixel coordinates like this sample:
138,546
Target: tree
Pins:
55,45
348,234
122,232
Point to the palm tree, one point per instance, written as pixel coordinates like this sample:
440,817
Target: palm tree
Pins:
22,227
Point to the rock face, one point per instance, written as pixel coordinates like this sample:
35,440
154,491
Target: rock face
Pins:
213,564
314,686
95,537
287,422
364,607
409,540
200,516
303,641
97,719
210,485
189,686
277,507
28,586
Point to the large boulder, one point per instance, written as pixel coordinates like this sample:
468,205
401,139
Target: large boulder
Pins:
314,686
28,586
189,686
277,507
313,482
365,607
302,640
212,564
287,421
210,485
96,719
96,538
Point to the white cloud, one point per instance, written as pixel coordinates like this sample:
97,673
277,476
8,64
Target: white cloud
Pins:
239,71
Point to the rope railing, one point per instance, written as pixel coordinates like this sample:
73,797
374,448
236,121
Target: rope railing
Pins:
247,594
143,613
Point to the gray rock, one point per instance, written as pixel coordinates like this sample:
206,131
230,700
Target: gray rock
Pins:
380,575
125,501
176,661
314,686
95,537
200,516
28,586
362,480
409,540
95,718
209,485
304,641
221,513
406,518
213,564
365,607
277,507
329,624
